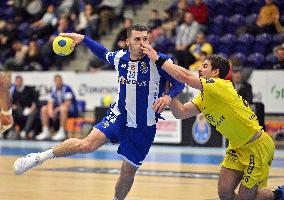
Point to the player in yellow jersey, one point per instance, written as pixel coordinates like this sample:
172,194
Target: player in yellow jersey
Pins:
250,152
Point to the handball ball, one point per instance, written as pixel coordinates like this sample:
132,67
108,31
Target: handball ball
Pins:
62,45
107,100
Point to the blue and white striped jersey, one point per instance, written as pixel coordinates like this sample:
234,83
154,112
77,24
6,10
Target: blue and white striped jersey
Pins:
140,83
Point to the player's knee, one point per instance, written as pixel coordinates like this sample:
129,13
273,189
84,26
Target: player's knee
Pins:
225,194
43,109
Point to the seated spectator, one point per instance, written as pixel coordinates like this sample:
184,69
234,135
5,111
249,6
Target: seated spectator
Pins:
278,26
61,104
265,20
88,22
243,88
200,45
154,21
16,63
109,9
24,105
169,23
200,13
186,33
33,59
120,41
42,26
198,62
279,52
95,65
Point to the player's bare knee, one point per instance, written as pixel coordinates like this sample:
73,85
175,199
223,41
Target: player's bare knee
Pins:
43,109
63,109
225,193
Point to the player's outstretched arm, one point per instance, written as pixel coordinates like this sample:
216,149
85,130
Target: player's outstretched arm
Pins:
183,111
97,48
179,73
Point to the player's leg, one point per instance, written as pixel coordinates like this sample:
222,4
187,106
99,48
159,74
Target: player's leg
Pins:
228,181
69,147
125,180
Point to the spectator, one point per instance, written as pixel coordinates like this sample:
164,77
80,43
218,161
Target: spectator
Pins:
88,22
16,63
200,13
279,52
120,41
33,58
242,87
109,9
61,104
200,45
169,23
24,105
43,26
265,20
198,62
186,34
154,21
278,26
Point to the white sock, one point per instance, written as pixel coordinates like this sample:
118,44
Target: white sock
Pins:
114,198
46,155
45,129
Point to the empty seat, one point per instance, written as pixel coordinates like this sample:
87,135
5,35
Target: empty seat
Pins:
255,60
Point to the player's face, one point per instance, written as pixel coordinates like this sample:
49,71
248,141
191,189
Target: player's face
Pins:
58,82
137,39
19,82
205,71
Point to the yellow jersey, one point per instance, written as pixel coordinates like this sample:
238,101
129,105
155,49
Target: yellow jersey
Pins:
227,111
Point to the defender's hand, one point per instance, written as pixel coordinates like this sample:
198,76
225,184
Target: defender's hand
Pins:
150,52
77,38
161,103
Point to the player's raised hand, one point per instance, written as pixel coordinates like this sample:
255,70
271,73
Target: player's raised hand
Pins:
161,103
149,51
77,38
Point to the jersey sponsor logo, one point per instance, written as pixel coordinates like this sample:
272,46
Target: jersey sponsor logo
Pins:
123,81
201,130
105,124
210,80
213,121
132,67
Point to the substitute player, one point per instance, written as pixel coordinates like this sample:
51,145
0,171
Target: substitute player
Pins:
250,151
131,120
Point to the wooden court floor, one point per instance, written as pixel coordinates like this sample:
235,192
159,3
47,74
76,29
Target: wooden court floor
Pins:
45,183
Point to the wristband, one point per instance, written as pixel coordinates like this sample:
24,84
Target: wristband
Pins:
160,61
6,113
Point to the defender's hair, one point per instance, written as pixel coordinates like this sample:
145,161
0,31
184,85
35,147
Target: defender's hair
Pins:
221,63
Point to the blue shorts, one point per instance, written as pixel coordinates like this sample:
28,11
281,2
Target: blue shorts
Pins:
134,143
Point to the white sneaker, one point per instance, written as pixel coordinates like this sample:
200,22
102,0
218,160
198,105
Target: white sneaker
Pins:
60,135
23,164
43,136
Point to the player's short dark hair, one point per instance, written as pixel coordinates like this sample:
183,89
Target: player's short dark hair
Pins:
136,27
221,63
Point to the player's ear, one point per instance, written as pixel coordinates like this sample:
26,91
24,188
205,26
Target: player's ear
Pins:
127,42
216,72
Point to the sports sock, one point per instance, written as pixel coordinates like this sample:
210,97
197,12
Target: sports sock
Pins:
46,155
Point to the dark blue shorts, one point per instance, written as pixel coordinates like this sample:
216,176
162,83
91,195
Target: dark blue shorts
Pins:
134,143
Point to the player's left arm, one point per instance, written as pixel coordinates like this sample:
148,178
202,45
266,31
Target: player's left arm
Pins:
179,73
5,103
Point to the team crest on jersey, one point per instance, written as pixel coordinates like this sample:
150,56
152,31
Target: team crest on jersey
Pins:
122,80
144,68
210,80
105,124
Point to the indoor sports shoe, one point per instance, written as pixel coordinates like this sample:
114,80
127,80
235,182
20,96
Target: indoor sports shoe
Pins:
280,190
21,165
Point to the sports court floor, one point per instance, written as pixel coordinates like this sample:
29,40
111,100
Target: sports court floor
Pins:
169,173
